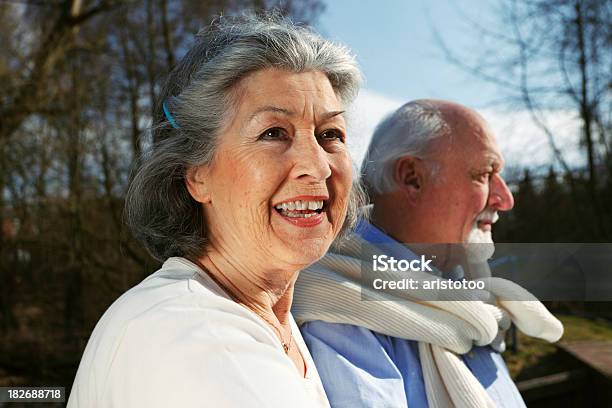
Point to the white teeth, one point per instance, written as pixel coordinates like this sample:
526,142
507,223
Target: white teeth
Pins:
299,215
300,205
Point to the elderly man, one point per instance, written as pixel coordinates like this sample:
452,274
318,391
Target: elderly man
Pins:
433,173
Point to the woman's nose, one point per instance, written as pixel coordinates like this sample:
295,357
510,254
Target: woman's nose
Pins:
311,161
500,196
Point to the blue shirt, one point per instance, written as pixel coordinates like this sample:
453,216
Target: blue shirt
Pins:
363,368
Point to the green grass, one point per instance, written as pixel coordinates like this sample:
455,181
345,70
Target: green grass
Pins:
537,357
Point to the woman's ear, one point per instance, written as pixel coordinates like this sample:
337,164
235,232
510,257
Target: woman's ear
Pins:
409,175
196,181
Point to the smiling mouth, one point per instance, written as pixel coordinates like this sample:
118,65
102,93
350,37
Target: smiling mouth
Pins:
484,225
302,208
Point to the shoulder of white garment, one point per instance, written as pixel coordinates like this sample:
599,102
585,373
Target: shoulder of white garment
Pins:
174,340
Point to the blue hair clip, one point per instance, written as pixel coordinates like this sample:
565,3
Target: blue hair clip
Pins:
169,116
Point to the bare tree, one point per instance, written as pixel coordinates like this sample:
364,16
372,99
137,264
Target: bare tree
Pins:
26,97
547,56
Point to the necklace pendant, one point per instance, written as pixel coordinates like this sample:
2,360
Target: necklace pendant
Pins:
285,347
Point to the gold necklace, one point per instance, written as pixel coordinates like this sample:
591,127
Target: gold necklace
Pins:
286,346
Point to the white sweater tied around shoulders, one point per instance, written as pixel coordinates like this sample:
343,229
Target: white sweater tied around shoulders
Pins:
333,290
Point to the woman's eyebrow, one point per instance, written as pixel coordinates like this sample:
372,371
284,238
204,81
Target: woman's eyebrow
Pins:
276,109
269,108
329,115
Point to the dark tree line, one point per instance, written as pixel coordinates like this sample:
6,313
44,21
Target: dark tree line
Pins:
548,209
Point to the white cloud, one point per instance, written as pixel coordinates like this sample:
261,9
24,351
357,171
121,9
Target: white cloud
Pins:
522,143
367,111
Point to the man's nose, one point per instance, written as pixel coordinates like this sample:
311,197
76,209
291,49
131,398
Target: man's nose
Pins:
311,161
500,196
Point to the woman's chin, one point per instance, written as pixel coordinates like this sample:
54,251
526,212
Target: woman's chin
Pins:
306,251
303,246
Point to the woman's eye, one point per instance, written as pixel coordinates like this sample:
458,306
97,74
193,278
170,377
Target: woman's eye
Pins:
275,133
332,134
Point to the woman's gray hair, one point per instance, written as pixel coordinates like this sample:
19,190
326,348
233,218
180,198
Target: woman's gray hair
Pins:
198,94
408,131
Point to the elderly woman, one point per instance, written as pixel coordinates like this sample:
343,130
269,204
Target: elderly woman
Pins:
249,181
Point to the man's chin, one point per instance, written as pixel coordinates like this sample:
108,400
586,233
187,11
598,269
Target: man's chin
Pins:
479,246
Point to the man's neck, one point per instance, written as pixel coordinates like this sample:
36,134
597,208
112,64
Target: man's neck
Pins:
400,226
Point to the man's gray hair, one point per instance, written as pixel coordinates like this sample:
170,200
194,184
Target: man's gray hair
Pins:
408,131
199,95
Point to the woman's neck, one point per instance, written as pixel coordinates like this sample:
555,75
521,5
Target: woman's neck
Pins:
268,293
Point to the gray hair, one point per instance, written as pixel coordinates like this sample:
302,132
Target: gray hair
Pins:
198,92
408,131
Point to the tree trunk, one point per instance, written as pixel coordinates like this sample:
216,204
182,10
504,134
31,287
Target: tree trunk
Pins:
163,4
150,55
74,292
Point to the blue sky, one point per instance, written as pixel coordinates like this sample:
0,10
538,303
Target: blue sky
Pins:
396,47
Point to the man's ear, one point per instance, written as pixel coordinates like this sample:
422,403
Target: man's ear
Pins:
196,181
409,175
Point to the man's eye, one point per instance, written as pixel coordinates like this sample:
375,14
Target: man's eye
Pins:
332,134
486,176
275,133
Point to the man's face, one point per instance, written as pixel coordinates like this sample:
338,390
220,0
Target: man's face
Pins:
462,199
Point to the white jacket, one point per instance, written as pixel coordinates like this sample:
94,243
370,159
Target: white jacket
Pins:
177,340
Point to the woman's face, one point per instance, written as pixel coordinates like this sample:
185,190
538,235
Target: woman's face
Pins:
277,188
